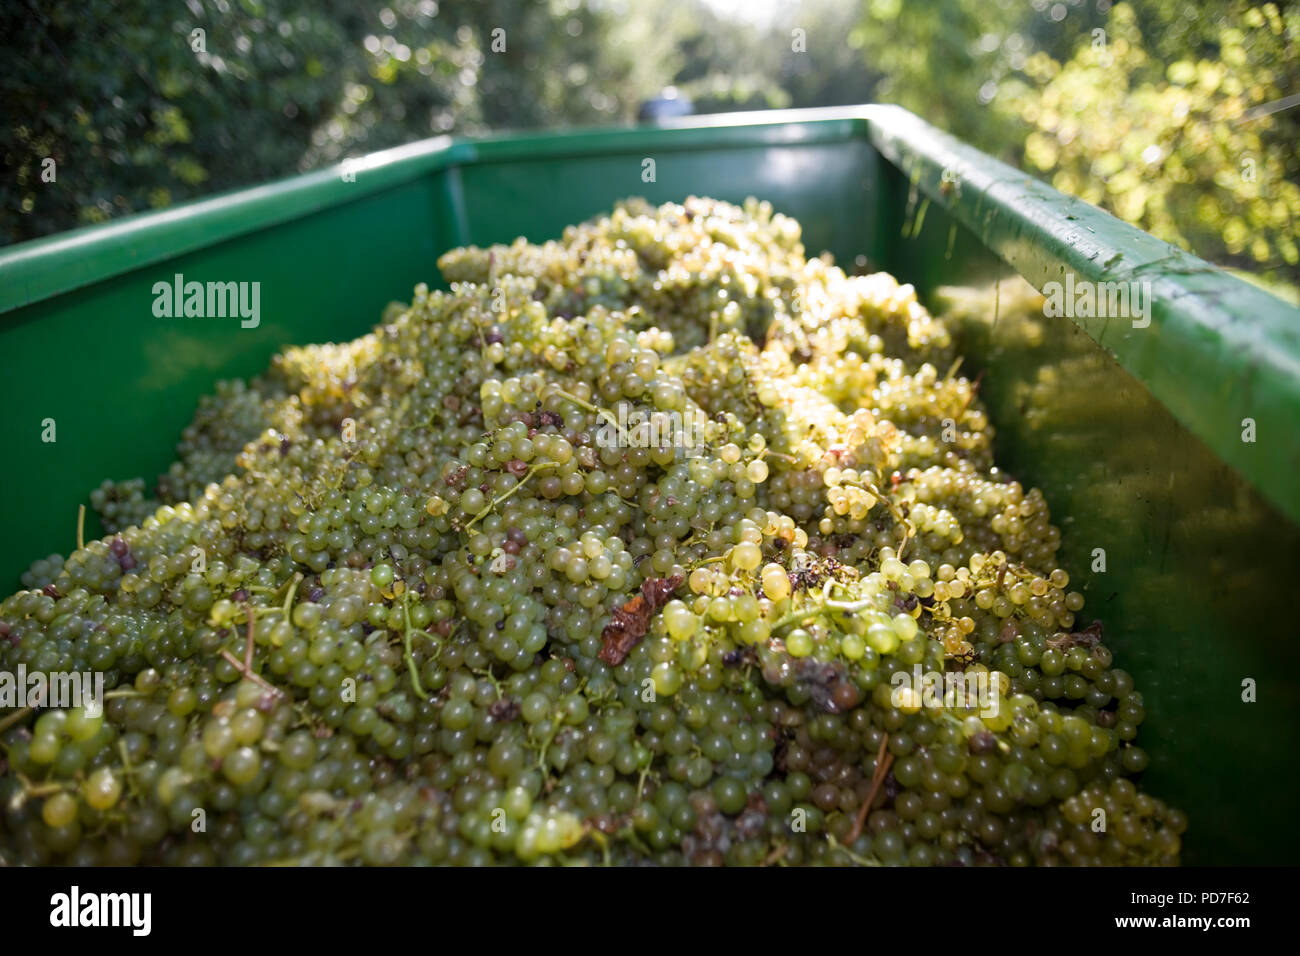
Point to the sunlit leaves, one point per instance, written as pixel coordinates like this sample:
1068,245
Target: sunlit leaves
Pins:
1176,150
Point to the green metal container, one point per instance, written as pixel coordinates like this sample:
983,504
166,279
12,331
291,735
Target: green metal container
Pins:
1137,434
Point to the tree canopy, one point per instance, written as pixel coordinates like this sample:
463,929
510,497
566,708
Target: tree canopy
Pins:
1171,114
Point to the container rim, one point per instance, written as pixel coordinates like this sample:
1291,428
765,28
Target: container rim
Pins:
43,268
1218,352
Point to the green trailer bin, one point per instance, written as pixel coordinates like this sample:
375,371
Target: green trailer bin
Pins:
1167,444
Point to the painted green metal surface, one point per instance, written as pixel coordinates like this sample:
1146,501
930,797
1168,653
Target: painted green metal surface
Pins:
1195,556
1130,432
1218,353
38,270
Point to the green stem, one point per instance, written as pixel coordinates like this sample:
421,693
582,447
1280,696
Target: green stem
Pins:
288,598
44,789
909,529
127,770
856,858
47,789
850,607
594,409
640,784
486,674
410,655
812,609
599,839
791,617
124,692
631,836
546,745
487,510
14,718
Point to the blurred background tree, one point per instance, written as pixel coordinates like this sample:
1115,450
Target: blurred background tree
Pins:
140,110
1176,115
1184,143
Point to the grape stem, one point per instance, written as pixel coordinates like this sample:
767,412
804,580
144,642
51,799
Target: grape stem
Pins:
909,529
246,666
81,527
631,836
883,761
849,607
15,717
810,610
288,598
599,839
791,617
251,675
127,770
124,692
778,854
607,415
487,510
776,454
248,642
855,857
541,751
486,674
42,790
974,390
410,655
640,783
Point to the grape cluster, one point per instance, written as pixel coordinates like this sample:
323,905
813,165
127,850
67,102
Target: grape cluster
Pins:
121,504
370,618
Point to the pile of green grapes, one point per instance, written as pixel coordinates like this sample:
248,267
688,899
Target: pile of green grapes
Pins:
629,548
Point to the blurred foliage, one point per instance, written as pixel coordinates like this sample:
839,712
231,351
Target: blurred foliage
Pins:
1177,148
944,59
1165,112
139,111
137,118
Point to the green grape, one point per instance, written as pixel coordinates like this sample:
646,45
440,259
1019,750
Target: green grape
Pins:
449,614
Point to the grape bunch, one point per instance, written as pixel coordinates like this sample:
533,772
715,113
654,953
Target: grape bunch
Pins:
658,543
